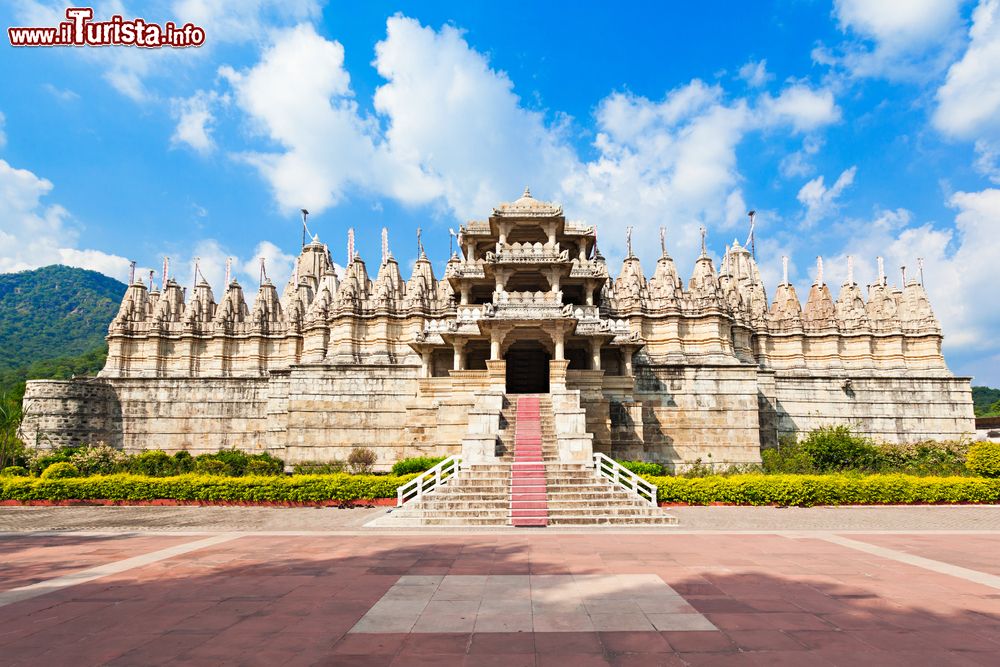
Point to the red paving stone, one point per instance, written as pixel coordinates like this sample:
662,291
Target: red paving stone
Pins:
976,552
294,599
27,560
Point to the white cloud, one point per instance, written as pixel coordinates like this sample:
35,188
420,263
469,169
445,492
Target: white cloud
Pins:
755,73
821,201
800,106
195,118
237,21
895,39
34,234
459,123
969,100
798,164
61,94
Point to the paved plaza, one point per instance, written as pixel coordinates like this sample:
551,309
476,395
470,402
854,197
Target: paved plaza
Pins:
824,586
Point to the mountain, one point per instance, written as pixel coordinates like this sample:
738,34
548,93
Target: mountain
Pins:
986,401
55,312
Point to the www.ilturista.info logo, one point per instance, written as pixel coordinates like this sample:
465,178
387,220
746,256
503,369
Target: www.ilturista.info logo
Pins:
80,30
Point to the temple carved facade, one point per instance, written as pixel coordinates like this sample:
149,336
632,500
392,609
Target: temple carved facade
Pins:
637,367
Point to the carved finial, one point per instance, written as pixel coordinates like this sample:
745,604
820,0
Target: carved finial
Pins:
881,271
663,241
166,270
527,192
819,270
628,239
784,269
350,245
850,270
229,270
704,248
385,245
131,272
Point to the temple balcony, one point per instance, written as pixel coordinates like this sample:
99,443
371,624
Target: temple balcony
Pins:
528,253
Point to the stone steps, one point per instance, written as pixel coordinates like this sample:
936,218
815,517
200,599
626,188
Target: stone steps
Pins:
528,486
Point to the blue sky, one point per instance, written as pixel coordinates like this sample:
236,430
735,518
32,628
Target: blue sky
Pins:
853,128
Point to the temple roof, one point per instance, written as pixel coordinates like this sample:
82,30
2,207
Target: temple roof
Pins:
528,206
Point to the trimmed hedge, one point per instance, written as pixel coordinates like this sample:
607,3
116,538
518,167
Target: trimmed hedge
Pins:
984,458
830,489
299,488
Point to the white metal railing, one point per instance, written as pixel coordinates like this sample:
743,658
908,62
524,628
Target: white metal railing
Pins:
623,477
429,481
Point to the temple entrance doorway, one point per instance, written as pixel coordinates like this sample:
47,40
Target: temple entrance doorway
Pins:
527,368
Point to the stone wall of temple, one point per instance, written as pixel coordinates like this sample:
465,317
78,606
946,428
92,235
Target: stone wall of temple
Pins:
196,415
886,408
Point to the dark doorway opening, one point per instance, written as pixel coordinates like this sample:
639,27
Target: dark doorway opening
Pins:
527,369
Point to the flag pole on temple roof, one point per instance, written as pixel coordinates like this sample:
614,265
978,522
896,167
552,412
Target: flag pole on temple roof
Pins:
850,270
385,245
195,282
451,245
166,268
151,272
229,270
881,271
305,230
750,240
902,270
350,245
663,241
920,266
131,272
784,269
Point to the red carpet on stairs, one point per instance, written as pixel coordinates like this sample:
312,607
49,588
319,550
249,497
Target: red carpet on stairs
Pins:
528,504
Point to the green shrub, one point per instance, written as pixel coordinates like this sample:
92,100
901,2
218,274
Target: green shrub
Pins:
298,488
318,468
835,448
14,471
923,458
257,466
643,467
99,460
829,489
235,462
211,466
152,463
60,470
40,459
183,462
416,464
984,459
362,460
788,457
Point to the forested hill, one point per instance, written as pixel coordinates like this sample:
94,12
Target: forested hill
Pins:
54,312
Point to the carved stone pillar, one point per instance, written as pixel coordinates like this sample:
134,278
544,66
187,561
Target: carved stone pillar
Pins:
595,354
465,295
458,363
627,360
426,358
559,339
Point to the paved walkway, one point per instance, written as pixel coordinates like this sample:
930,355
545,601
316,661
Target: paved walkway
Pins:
922,590
919,518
